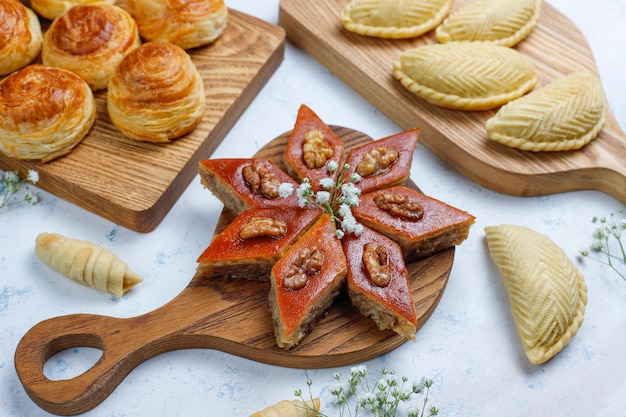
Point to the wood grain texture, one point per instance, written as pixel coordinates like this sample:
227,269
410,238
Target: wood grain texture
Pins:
229,315
556,47
135,184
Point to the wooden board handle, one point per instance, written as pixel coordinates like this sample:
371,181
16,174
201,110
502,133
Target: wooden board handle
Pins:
122,351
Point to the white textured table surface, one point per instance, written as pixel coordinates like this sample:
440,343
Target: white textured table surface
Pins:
469,346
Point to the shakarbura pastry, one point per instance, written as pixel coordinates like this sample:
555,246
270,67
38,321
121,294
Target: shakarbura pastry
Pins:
91,41
20,36
46,112
185,23
156,93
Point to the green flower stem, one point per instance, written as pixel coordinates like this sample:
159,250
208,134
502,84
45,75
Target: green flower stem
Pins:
381,399
10,184
607,237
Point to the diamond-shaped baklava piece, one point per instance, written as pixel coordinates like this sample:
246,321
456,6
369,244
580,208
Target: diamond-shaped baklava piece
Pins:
378,284
246,183
383,162
250,246
421,225
311,146
305,281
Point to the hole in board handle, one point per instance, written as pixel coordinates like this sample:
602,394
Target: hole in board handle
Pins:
68,356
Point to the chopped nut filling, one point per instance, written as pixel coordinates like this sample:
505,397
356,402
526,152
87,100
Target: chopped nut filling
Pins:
375,261
376,161
316,149
308,263
261,180
263,226
399,205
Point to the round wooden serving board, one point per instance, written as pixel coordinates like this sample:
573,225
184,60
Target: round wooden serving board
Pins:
227,315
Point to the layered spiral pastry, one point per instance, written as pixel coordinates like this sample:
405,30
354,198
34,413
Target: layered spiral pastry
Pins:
44,112
20,36
156,93
51,9
186,23
91,41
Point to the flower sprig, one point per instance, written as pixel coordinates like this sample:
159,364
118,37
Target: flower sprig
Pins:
380,399
338,197
10,184
608,242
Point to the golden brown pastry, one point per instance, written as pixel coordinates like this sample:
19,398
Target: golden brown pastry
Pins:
20,36
156,93
45,112
90,40
86,263
186,23
51,9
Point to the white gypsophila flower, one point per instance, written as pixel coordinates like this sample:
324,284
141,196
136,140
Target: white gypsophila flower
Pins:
365,398
336,388
11,187
302,192
599,233
412,411
358,229
349,224
427,382
350,194
418,386
332,166
31,198
285,189
597,245
11,177
339,233
359,370
305,185
327,183
391,379
322,197
33,176
354,177
344,211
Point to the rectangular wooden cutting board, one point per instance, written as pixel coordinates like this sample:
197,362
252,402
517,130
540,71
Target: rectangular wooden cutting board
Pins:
134,183
556,47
